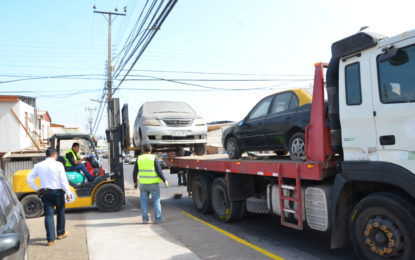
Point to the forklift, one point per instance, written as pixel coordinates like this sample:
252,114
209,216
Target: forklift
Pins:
106,191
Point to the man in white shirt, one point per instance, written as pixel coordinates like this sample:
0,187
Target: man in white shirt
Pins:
54,184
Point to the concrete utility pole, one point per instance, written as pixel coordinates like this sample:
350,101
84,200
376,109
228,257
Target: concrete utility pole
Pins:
109,62
90,119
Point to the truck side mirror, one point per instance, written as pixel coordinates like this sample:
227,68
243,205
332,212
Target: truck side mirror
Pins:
396,57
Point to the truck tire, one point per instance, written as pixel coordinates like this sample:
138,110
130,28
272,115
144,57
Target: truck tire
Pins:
232,148
109,198
382,226
224,209
201,189
296,147
200,149
32,206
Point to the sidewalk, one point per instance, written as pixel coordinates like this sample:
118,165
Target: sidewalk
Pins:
117,235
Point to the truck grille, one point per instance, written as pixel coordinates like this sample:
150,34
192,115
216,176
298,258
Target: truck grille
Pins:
177,122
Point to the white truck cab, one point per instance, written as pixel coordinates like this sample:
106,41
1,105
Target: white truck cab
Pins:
377,101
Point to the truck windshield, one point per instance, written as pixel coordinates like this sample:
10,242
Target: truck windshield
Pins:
396,79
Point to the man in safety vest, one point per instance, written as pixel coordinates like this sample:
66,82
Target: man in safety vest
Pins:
74,163
149,175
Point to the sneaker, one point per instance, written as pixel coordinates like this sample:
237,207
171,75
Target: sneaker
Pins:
65,235
159,222
51,243
145,221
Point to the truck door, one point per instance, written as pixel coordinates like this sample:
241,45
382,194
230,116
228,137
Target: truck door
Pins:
251,129
394,103
356,108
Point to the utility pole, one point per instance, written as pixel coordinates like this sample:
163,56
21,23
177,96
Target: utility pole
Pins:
114,149
90,119
109,62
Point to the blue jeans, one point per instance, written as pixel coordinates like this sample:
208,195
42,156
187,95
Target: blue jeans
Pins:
82,167
145,191
54,198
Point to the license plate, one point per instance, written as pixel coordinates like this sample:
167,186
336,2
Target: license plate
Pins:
178,133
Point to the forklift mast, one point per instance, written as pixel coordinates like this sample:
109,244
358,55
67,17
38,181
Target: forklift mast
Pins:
118,139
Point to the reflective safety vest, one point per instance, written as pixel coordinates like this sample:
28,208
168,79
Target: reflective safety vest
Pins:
146,170
75,158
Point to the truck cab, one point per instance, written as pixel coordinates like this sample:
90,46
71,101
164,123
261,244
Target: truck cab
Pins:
377,100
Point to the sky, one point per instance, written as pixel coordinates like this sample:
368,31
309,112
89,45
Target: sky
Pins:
234,52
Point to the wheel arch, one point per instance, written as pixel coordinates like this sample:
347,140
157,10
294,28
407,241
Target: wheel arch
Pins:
358,180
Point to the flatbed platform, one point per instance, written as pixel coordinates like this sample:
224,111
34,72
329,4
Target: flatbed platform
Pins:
270,166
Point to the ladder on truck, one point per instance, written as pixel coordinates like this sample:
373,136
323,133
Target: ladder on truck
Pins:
291,203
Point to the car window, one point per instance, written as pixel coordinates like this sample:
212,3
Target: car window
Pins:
293,102
6,203
261,109
281,102
396,77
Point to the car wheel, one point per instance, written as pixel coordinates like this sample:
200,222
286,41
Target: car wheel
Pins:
297,147
109,197
32,206
232,148
200,149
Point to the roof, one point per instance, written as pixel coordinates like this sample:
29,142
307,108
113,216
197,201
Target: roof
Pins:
44,114
31,101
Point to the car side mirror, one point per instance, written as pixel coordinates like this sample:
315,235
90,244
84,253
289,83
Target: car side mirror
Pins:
9,244
395,56
241,123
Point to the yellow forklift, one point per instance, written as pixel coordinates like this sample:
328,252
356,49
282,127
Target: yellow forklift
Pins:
106,191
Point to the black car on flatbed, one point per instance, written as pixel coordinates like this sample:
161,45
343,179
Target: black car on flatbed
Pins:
276,123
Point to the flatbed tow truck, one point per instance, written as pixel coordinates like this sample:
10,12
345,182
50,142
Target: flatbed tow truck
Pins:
358,178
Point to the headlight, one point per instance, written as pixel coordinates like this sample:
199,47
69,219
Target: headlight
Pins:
200,122
151,122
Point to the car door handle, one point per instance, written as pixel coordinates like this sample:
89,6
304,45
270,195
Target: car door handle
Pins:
288,118
387,140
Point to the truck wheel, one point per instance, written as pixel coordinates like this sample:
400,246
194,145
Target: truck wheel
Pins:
224,209
382,226
109,197
200,149
201,188
32,206
232,148
297,147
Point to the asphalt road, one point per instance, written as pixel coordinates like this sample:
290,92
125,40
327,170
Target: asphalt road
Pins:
263,231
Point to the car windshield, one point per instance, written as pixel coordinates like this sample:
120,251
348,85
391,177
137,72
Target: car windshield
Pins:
167,107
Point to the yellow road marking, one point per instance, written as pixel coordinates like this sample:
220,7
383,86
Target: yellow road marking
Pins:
237,239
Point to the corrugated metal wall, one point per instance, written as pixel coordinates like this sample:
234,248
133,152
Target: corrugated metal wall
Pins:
14,166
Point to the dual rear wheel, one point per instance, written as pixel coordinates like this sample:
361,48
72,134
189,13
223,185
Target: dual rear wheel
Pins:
213,196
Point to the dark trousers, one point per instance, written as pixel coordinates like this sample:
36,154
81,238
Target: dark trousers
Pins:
54,198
